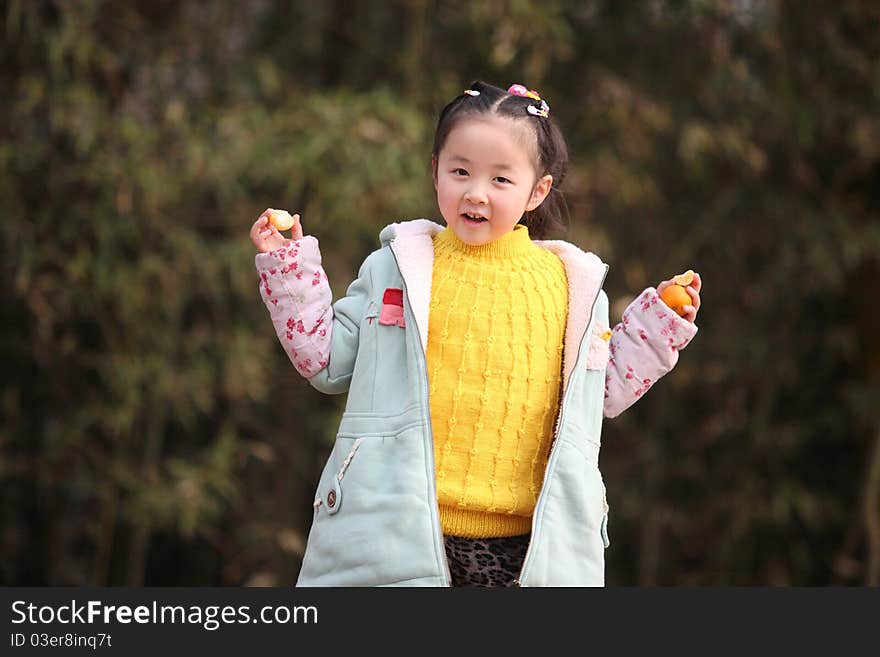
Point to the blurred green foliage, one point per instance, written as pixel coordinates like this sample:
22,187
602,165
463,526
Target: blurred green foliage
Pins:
152,430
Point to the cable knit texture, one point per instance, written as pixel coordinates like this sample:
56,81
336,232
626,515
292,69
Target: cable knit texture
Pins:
495,339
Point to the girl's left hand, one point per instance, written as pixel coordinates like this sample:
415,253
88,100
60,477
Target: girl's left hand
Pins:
693,290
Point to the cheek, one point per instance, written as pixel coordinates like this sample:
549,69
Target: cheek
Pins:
514,200
447,191
445,196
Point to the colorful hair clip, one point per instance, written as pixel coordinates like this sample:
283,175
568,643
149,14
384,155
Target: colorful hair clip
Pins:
543,110
519,90
471,92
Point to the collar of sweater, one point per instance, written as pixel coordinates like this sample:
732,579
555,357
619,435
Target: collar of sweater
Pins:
413,246
513,244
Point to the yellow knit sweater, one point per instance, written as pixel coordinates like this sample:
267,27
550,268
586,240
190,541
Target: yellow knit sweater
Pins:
495,335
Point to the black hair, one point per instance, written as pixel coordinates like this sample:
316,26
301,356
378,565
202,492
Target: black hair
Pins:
552,152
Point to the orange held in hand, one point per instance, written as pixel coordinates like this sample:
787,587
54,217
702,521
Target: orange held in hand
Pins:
684,279
281,219
675,296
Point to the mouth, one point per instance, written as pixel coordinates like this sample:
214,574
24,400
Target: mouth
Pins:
474,219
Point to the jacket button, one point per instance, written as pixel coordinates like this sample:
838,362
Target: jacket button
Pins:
331,499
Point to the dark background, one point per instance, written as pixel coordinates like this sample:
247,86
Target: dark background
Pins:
152,431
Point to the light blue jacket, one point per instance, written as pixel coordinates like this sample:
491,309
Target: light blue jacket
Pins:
376,520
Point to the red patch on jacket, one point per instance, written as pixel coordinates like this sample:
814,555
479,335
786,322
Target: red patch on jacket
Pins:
392,308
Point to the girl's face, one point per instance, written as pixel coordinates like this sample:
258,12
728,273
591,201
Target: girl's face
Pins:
485,178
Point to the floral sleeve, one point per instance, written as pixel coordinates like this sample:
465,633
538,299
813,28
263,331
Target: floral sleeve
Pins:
294,288
644,346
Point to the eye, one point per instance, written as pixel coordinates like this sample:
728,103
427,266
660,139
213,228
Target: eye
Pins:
460,172
502,179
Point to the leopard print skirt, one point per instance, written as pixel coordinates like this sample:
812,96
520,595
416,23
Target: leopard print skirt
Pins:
486,562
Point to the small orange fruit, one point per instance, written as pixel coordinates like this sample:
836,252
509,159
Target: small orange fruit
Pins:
684,279
675,296
281,219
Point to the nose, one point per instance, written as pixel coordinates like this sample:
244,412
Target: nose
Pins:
476,194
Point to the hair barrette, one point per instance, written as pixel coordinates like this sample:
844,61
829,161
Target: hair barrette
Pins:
471,92
535,110
543,110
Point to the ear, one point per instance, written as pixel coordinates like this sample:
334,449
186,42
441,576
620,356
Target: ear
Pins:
434,170
542,188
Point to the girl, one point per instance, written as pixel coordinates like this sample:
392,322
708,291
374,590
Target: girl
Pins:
478,365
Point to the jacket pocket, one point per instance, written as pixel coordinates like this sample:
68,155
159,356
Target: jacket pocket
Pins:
330,496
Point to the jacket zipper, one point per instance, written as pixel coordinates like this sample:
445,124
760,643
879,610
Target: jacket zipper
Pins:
518,580
438,530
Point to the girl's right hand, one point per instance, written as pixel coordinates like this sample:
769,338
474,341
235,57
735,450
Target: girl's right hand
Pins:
267,238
